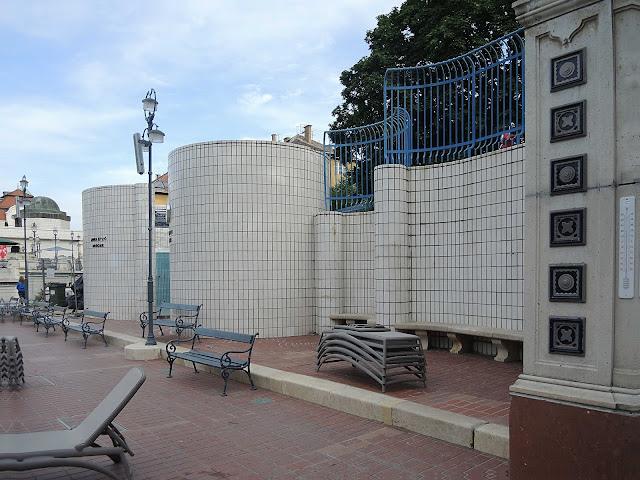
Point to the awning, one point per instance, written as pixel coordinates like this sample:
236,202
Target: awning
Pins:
6,241
57,249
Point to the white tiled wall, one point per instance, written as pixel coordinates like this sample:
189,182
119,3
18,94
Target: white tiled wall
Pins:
344,265
115,225
242,234
467,241
445,244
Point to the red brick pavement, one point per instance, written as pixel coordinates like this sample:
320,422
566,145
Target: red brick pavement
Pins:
473,385
181,428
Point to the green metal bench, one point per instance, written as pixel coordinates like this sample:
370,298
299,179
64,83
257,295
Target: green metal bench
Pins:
38,310
91,323
54,318
224,361
186,319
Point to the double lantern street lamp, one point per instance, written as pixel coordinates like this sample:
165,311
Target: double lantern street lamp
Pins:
150,135
35,249
23,186
55,247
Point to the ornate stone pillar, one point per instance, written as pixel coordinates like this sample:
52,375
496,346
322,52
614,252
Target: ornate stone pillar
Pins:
575,410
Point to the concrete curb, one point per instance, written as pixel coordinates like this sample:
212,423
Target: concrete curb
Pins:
429,421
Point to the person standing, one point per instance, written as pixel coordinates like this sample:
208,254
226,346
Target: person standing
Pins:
20,287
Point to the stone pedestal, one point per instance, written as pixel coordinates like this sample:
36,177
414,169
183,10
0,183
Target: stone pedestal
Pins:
576,407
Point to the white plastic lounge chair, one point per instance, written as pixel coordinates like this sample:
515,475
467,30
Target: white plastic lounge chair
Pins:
66,448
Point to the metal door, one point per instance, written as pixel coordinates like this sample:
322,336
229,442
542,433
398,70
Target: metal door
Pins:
163,291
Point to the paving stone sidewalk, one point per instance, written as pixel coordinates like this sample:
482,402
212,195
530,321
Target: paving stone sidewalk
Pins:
469,384
181,428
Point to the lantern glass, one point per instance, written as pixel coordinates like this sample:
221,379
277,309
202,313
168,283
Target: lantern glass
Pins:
149,105
156,136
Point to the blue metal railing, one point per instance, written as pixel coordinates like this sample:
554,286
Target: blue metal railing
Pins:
435,113
466,106
352,154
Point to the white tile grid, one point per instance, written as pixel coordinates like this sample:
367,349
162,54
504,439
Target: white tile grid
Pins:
254,253
113,273
478,243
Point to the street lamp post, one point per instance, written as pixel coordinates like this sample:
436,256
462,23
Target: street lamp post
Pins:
34,229
73,275
41,266
153,135
23,186
34,248
55,247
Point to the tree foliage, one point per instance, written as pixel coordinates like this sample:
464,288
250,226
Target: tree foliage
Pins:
418,33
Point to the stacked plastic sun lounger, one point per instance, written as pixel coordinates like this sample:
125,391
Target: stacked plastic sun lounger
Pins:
387,357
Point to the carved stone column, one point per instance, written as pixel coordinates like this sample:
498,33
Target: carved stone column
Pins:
575,411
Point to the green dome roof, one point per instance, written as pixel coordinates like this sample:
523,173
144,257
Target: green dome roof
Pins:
45,207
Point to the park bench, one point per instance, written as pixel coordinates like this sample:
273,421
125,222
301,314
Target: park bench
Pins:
91,323
508,343
187,317
241,359
38,310
54,318
9,308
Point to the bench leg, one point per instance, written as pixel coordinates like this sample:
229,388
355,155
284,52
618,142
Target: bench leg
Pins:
65,333
508,351
104,340
461,343
194,367
86,336
144,327
170,360
424,338
248,371
225,376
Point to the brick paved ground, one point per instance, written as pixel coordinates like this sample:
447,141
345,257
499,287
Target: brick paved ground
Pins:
181,428
473,385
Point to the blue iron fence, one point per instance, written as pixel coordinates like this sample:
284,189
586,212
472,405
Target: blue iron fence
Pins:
466,106
435,113
352,154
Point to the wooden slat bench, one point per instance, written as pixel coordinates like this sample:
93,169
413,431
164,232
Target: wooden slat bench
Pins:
182,321
507,342
91,323
54,318
241,359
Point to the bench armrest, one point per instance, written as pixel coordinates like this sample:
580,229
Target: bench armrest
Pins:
180,320
225,359
86,326
144,317
172,345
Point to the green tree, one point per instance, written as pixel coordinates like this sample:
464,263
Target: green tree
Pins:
419,32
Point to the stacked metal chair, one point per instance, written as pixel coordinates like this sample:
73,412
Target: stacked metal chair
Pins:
11,367
387,357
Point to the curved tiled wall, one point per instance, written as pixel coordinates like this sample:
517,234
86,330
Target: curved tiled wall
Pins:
241,233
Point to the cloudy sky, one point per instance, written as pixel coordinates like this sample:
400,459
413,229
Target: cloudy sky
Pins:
74,73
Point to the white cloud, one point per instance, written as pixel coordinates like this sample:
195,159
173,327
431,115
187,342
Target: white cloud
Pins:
77,70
